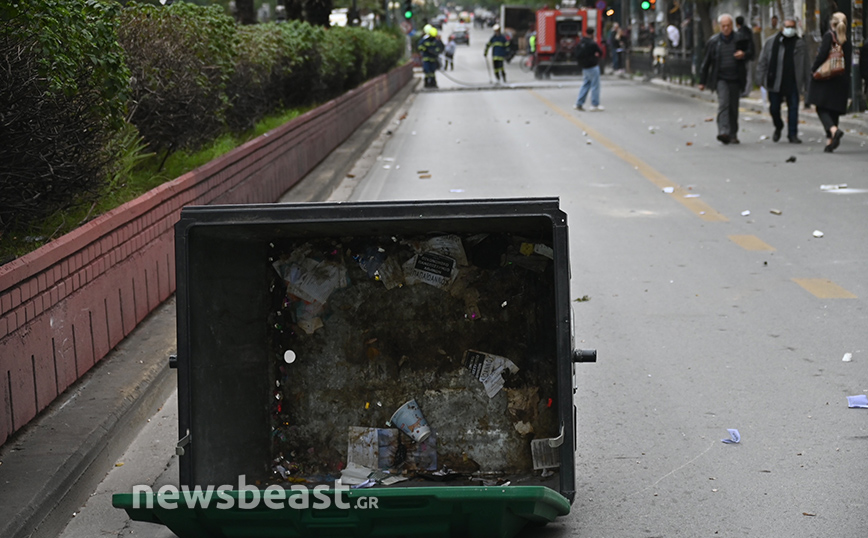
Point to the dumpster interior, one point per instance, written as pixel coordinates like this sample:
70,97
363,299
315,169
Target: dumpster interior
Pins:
314,340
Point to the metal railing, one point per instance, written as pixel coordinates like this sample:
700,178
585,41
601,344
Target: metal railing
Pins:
677,65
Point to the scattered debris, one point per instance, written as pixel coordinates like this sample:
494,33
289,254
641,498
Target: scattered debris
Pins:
668,190
847,357
689,144
818,233
792,159
857,402
582,299
735,437
691,196
809,514
775,211
745,213
833,187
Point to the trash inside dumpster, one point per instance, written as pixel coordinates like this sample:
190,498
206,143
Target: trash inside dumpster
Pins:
412,361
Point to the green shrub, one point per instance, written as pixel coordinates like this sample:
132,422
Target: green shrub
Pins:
62,95
181,58
255,86
300,63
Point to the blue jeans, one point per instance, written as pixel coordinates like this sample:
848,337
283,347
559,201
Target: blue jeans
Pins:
590,81
775,100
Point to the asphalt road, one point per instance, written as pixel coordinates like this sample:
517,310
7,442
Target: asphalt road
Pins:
705,317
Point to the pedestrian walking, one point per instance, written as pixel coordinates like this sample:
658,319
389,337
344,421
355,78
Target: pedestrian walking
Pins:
783,71
723,69
588,54
449,54
430,48
830,95
743,33
499,46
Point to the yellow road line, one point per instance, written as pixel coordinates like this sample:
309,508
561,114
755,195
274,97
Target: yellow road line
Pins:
697,206
750,242
824,288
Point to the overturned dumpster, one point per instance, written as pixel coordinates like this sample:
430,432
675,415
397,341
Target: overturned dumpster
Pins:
372,369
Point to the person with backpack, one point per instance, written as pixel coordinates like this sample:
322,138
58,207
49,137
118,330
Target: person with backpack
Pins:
588,54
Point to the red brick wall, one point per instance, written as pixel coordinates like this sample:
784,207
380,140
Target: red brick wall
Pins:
66,305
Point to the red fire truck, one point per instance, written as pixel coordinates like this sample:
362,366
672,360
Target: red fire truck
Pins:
558,31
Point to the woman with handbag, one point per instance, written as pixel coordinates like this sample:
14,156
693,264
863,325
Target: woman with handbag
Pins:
831,85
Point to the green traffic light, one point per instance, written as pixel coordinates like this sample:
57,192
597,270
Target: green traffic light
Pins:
646,4
408,14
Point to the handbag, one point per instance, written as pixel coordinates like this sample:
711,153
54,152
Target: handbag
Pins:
834,64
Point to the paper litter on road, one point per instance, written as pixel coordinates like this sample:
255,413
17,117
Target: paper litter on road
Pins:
818,233
860,402
847,357
745,213
668,190
735,437
833,187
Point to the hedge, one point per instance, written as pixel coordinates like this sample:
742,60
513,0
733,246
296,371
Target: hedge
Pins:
63,89
86,84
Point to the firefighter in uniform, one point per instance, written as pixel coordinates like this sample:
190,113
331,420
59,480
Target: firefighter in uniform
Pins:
430,48
499,45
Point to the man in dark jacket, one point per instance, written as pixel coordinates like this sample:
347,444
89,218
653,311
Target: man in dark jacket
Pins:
588,54
783,70
724,70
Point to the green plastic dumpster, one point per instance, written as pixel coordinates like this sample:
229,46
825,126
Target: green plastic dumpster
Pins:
371,369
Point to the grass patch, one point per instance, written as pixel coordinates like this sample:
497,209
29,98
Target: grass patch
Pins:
144,174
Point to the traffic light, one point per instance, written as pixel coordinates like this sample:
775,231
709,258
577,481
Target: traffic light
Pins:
646,5
408,9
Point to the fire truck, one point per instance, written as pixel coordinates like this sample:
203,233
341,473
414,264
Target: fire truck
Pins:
558,31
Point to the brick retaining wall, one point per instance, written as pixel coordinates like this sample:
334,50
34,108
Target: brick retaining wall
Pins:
67,305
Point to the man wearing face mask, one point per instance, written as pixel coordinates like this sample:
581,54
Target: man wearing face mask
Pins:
783,71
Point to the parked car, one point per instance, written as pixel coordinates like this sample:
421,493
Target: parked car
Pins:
462,36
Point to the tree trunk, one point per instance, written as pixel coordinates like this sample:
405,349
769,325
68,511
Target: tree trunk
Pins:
317,12
245,11
294,10
703,9
812,28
